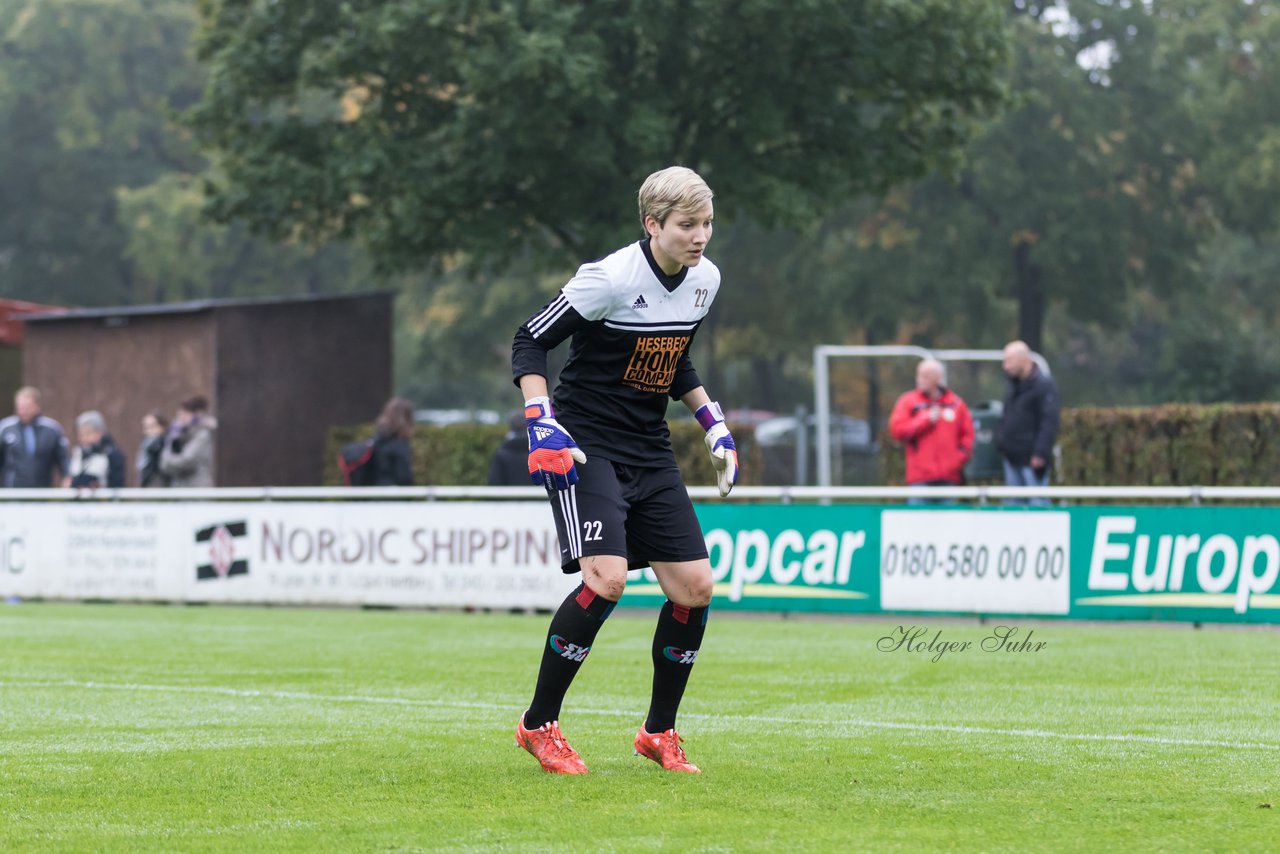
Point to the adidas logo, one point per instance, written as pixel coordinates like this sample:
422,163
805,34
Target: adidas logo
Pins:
542,433
640,303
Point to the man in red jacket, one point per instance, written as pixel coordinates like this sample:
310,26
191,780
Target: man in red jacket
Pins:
934,425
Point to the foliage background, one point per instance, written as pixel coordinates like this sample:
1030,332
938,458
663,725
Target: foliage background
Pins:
458,454
1170,445
1098,177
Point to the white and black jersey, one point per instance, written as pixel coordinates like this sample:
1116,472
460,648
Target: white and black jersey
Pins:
632,326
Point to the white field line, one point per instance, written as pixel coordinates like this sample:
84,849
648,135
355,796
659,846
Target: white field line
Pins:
730,719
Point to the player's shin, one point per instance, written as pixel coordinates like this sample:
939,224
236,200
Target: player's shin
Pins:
675,648
573,631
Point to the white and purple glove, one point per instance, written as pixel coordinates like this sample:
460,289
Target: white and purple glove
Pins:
724,456
552,451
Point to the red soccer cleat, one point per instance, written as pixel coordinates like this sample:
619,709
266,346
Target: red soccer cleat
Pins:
664,748
548,746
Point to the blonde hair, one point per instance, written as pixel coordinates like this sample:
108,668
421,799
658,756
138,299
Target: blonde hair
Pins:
676,188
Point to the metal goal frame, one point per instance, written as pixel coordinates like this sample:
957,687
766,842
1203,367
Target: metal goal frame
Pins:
822,355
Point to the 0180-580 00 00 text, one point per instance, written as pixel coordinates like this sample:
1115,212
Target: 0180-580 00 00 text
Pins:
967,560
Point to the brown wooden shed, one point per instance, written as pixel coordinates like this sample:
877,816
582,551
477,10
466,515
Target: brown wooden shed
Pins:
278,373
12,332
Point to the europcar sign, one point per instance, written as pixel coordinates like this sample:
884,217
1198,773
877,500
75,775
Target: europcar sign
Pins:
1197,563
1216,564
786,557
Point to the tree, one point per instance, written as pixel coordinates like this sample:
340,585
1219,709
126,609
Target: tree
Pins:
174,253
1081,188
100,190
1087,218
494,127
1218,67
84,91
1228,58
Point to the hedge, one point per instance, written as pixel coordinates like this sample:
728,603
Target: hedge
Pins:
1170,445
458,455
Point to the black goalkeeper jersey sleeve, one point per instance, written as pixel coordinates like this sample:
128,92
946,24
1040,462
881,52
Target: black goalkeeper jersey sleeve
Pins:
631,326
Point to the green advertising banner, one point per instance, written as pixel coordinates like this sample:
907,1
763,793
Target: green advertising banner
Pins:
787,557
1211,564
1176,563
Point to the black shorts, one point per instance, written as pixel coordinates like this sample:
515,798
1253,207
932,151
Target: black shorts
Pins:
642,514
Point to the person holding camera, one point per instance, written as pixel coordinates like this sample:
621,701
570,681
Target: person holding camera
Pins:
97,460
154,429
187,457
935,429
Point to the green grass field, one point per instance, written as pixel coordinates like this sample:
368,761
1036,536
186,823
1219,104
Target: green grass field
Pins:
154,728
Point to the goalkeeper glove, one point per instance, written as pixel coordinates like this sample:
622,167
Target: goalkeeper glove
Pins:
724,456
552,451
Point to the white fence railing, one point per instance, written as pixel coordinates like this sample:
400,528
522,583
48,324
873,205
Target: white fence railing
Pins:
782,494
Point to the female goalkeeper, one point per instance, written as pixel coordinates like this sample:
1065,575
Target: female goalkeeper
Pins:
602,450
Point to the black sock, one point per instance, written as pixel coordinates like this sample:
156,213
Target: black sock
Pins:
573,630
675,647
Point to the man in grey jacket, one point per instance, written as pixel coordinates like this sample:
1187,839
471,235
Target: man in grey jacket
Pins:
188,454
32,446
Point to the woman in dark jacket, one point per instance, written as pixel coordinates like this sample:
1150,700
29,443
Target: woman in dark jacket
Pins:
392,460
154,428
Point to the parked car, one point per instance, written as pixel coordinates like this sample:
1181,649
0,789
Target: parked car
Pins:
445,417
852,433
854,461
677,411
749,417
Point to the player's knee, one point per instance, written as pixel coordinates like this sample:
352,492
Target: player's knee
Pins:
609,586
695,591
688,584
700,592
608,578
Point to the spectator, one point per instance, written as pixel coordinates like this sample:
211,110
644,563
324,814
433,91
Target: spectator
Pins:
935,428
509,465
392,460
154,426
187,457
96,459
1028,427
32,446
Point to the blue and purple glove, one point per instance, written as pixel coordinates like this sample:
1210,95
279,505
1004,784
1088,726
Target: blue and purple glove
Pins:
552,451
724,456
